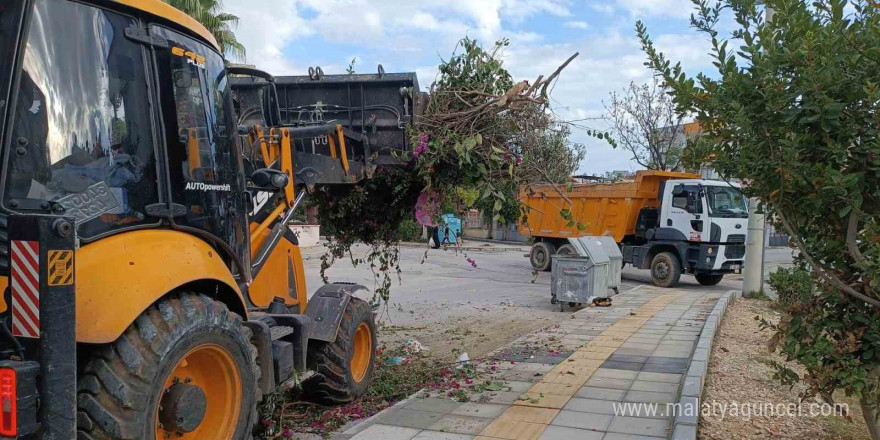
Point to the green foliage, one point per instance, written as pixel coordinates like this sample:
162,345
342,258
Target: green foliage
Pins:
410,230
370,213
792,110
508,209
481,137
792,285
467,196
472,66
210,14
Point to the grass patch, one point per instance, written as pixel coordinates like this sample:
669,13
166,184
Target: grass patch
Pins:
843,427
758,295
397,375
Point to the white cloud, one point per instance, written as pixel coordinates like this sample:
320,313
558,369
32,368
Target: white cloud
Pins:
668,8
691,50
405,35
604,8
389,25
577,24
265,31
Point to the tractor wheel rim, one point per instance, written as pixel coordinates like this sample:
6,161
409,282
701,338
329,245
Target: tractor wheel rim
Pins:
362,352
212,370
540,257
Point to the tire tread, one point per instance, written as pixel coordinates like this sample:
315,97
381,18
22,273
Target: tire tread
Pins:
115,384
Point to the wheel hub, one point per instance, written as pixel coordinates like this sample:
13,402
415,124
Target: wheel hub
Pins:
661,271
539,257
182,408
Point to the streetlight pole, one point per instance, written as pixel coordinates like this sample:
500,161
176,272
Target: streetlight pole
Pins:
753,270
768,11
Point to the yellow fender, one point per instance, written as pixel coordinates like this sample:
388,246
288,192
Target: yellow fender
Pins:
118,277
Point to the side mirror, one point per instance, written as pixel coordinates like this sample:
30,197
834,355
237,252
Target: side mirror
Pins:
269,178
693,204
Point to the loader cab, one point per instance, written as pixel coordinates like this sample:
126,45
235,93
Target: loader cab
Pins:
119,120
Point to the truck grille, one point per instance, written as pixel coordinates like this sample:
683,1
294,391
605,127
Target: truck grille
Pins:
734,251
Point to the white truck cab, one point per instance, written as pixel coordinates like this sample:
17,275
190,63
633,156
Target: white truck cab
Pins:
700,228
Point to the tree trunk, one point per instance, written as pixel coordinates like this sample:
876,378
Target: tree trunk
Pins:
871,404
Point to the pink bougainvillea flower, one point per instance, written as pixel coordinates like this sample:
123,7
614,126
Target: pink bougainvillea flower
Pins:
428,208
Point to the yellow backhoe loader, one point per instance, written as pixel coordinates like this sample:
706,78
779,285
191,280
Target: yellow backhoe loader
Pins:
151,286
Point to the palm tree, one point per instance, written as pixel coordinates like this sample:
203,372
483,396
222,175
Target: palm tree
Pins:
210,14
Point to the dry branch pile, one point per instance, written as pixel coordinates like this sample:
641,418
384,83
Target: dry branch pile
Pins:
481,132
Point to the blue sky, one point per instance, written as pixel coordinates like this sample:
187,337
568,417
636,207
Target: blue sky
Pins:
288,36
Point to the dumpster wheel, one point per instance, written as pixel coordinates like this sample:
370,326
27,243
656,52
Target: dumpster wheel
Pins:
185,369
344,368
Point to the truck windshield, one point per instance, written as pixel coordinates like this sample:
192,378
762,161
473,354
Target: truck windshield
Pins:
726,201
82,139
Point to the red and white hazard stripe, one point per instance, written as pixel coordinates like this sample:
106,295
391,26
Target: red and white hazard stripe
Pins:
25,287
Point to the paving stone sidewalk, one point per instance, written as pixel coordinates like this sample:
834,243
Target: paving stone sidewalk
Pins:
637,351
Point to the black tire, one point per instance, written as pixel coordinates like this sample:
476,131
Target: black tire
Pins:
333,382
566,250
120,387
707,279
541,255
665,269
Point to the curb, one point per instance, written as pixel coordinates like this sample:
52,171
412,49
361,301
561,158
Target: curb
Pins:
688,411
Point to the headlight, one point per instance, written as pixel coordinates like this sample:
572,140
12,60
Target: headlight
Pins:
711,250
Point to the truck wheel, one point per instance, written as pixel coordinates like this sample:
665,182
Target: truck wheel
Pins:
707,279
344,368
566,250
185,369
541,255
665,269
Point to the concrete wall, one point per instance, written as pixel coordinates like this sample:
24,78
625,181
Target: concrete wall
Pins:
308,235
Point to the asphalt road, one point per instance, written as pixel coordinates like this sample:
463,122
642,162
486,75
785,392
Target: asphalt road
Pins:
440,294
503,274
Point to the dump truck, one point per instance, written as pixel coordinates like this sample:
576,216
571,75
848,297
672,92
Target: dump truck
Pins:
669,222
152,288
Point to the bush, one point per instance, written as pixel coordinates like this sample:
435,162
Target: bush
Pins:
793,285
410,230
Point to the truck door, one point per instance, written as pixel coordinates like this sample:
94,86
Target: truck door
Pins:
683,211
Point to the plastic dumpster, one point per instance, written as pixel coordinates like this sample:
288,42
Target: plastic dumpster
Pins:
615,266
450,229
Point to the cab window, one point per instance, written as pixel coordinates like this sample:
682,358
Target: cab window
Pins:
203,159
82,139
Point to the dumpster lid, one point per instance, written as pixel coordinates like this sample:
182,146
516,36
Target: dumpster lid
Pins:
590,246
610,246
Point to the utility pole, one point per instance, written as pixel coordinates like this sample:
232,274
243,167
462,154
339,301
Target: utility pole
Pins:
753,272
768,11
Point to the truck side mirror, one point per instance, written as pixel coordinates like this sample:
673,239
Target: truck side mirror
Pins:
693,204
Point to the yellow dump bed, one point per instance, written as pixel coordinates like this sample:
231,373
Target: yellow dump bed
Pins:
605,208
